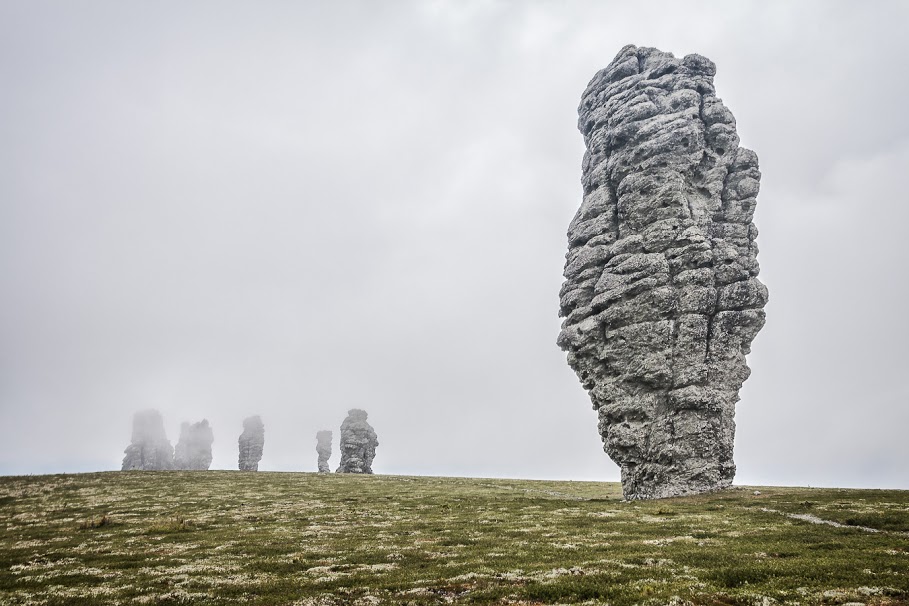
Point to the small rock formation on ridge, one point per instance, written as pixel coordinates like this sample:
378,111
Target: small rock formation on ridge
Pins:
251,442
149,449
358,443
323,449
193,450
661,298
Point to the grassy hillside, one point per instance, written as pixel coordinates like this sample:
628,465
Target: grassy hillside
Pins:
224,537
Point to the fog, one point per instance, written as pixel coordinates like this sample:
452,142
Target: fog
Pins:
221,209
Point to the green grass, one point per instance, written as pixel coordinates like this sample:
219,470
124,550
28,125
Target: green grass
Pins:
224,537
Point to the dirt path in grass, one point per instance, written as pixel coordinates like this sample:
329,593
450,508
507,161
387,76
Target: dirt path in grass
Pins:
807,517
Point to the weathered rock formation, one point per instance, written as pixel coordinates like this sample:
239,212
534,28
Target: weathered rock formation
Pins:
149,449
193,451
323,449
251,442
358,443
661,300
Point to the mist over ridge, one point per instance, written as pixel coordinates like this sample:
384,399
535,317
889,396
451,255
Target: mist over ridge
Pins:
226,210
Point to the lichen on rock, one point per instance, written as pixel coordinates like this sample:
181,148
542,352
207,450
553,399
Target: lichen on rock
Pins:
251,443
193,450
358,443
661,298
149,447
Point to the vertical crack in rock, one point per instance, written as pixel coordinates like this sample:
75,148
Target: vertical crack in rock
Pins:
323,449
149,448
661,299
251,442
193,450
358,443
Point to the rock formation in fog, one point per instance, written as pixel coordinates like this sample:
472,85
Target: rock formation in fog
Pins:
193,451
150,449
323,449
358,443
661,299
251,442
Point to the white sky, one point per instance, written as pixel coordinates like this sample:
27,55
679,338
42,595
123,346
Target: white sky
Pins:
220,209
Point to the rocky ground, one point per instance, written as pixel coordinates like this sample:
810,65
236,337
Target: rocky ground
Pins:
222,537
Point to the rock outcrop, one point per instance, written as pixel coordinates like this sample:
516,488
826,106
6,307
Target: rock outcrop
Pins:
358,443
251,443
149,449
193,450
323,449
661,299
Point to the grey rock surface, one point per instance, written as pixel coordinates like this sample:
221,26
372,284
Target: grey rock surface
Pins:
358,443
251,443
193,450
149,448
323,449
661,299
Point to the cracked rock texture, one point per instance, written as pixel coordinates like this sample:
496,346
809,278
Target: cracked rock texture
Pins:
323,449
251,442
193,450
358,443
149,449
661,298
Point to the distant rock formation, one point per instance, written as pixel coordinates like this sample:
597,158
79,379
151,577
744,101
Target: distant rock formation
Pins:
193,451
358,443
251,442
323,449
150,449
661,299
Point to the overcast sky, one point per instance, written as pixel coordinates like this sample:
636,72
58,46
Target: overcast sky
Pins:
220,209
